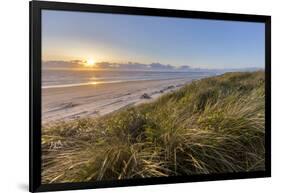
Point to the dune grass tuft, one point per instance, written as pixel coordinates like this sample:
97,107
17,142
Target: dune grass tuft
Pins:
213,125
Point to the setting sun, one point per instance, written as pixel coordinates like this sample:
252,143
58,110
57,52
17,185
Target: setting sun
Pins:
90,62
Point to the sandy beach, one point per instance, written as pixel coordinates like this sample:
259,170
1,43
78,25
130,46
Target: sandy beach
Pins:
68,103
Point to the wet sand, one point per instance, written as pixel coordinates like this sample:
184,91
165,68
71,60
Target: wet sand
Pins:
70,103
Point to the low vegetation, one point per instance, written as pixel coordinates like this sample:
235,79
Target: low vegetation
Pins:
213,125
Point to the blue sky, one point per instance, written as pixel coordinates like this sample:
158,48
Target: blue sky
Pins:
145,39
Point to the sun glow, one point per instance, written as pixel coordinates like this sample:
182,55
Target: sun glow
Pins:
90,63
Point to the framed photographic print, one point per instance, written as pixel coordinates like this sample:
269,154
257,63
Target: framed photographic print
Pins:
125,96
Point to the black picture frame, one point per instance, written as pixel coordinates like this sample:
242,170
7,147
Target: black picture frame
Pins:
35,184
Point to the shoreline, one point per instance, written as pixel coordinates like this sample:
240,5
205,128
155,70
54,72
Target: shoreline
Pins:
102,82
70,103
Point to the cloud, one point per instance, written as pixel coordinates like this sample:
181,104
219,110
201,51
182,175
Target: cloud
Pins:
113,66
185,67
122,66
62,64
158,66
134,66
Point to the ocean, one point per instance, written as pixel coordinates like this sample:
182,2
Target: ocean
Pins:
58,78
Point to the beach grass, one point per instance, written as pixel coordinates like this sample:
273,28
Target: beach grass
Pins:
213,125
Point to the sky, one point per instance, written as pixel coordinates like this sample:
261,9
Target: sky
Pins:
118,38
